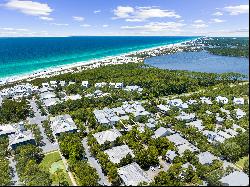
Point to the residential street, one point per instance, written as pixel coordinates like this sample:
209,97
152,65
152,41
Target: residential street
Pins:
38,119
93,162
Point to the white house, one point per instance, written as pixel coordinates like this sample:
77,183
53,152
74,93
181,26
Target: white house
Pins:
186,117
239,113
132,175
62,123
236,178
116,154
119,85
175,102
206,100
221,99
100,85
85,84
238,101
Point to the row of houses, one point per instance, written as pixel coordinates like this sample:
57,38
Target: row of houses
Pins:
19,135
108,116
205,100
131,174
18,91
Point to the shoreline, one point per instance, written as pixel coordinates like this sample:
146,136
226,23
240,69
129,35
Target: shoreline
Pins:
94,63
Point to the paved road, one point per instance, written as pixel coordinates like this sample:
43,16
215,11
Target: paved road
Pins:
93,162
38,119
15,177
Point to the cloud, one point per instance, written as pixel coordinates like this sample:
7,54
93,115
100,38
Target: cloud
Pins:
236,10
60,24
13,29
156,26
139,14
46,18
85,25
29,7
97,11
199,21
78,18
217,20
217,14
199,26
105,25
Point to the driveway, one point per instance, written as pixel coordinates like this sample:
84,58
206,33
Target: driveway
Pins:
93,163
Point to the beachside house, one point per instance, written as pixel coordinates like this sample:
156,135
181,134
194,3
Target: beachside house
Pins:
62,123
85,84
119,85
108,135
163,108
206,100
239,113
132,175
116,154
197,124
162,131
206,158
236,178
186,117
170,155
175,102
221,99
238,101
7,130
100,85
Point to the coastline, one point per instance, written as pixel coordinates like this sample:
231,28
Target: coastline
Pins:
94,63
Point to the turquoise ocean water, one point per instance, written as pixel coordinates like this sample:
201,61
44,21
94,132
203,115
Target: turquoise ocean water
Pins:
25,55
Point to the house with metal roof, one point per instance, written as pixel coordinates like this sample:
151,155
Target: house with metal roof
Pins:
236,178
197,124
206,100
47,95
221,99
85,84
20,137
50,102
238,101
7,130
116,154
170,155
61,124
175,102
191,101
132,175
163,108
186,117
239,113
119,85
108,135
206,158
187,146
100,84
160,132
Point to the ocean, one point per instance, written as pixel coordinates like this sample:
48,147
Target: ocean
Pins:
26,55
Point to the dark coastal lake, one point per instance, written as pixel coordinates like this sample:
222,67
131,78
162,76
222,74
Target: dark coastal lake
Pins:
200,61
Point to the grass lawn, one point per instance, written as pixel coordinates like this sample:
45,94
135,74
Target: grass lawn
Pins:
241,162
51,162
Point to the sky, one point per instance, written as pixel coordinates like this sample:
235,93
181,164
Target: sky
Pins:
124,18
